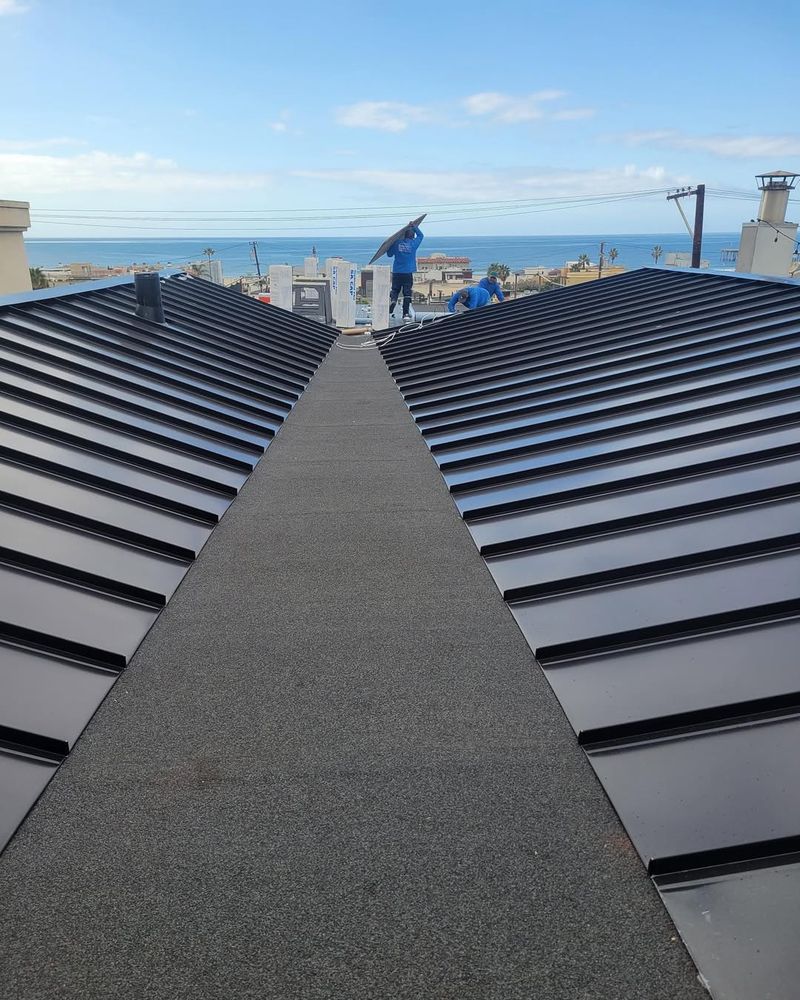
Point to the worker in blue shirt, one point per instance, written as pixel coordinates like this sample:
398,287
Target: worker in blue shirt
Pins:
471,297
492,286
404,252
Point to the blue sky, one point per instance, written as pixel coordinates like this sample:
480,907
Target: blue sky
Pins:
169,118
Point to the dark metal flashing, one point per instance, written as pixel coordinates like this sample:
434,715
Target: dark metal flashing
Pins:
627,458
122,444
63,291
740,275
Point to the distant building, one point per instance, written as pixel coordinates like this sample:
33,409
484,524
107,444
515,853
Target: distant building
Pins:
211,270
65,274
59,275
681,259
440,267
568,276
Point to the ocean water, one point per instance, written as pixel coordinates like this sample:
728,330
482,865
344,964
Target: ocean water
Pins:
234,252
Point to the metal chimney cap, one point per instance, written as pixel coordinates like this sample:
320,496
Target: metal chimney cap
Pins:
777,180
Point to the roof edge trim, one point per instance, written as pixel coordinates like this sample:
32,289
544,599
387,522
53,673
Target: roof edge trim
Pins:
79,288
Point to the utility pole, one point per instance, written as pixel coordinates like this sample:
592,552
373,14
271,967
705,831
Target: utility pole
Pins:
697,239
600,263
699,193
254,247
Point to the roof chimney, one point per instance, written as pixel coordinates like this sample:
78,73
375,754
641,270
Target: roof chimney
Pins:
775,187
15,218
148,296
767,243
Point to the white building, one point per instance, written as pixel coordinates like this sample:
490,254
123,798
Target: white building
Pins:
440,267
211,270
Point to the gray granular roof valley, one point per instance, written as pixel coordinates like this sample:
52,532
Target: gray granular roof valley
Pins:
333,769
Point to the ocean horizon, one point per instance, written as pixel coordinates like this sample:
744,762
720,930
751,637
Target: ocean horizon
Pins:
634,250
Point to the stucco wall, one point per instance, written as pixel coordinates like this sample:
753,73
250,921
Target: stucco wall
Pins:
14,220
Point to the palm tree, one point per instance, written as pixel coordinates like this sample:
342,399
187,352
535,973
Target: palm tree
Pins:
583,262
38,279
656,252
501,270
209,252
613,253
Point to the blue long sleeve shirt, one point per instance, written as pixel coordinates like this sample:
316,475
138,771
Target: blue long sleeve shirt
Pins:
477,297
405,253
492,287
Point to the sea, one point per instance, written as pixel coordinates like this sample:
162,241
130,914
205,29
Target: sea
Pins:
235,253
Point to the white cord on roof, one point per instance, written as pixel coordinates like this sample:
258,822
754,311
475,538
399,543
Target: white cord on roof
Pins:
373,345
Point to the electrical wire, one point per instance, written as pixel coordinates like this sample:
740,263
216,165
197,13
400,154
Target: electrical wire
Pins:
781,233
477,210
374,209
373,345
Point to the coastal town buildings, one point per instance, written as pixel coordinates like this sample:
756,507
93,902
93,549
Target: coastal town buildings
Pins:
66,274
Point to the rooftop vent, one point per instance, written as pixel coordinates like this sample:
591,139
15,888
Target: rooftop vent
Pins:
148,297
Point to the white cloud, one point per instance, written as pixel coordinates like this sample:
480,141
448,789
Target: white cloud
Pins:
573,114
282,124
731,147
29,175
395,116
502,185
11,7
31,145
510,109
386,116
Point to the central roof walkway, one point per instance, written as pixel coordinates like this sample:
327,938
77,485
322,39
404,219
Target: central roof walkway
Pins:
334,769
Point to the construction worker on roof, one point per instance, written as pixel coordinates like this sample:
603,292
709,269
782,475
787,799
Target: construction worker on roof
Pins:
404,251
492,285
465,299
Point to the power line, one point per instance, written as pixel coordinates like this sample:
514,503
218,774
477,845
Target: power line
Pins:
313,224
377,208
552,204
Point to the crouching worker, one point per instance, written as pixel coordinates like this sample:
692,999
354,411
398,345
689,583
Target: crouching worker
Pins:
492,285
465,299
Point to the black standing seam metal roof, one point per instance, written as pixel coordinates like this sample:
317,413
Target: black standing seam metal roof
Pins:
627,458
122,444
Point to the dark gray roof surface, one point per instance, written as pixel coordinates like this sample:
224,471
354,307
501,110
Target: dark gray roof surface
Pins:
626,457
332,769
122,443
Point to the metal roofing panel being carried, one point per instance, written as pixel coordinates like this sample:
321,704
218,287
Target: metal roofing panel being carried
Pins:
626,455
122,443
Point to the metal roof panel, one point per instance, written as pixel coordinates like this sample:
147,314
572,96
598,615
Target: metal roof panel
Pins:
122,442
627,458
